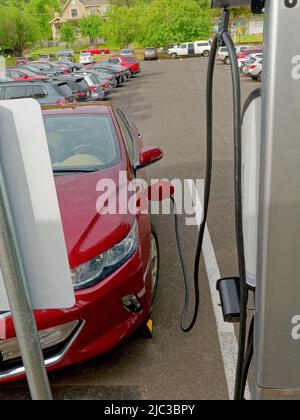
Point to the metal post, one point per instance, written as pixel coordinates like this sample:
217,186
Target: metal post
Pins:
22,313
277,339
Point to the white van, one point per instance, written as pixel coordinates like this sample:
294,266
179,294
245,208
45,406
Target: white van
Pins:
191,48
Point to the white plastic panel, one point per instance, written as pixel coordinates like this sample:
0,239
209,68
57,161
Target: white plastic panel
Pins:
27,171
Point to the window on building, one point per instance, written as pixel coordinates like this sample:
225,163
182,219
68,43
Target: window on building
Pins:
74,13
93,10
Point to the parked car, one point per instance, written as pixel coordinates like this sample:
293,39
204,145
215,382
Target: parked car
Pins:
191,48
47,57
78,85
223,55
127,51
131,63
114,259
66,52
151,53
97,50
119,73
95,80
97,88
252,59
22,74
44,91
86,58
5,79
255,71
23,60
243,56
61,68
41,69
71,64
103,77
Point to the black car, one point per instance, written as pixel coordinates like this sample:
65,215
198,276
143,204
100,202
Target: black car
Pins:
78,85
73,66
45,91
41,69
118,74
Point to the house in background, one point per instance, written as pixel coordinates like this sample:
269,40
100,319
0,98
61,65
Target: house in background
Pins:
73,10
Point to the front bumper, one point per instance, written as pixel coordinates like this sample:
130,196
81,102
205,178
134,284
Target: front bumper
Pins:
104,321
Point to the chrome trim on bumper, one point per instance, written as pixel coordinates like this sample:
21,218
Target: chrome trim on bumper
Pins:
48,362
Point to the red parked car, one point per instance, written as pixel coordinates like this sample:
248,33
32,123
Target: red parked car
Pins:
97,50
246,53
18,74
114,258
132,63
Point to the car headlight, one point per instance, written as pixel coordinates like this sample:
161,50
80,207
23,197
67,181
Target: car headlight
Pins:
97,269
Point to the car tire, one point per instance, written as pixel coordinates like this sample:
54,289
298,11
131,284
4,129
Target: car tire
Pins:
174,56
76,69
155,262
206,54
259,77
227,60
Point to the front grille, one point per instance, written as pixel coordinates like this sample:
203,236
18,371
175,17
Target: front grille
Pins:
47,353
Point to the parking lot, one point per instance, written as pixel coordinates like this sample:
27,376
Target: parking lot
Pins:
167,103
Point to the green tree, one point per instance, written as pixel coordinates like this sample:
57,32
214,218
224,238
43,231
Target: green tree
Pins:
43,11
91,26
122,25
68,33
18,28
168,21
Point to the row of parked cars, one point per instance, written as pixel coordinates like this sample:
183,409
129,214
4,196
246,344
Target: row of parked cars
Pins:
113,257
250,60
62,81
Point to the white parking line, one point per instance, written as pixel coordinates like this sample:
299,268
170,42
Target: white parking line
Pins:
226,334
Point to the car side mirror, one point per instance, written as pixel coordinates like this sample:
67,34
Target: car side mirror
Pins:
148,156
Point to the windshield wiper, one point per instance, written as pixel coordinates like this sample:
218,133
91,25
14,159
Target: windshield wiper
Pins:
73,170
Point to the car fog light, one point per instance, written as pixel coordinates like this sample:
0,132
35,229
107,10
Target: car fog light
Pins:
9,349
132,303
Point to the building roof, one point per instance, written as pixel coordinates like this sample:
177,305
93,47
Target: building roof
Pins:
87,3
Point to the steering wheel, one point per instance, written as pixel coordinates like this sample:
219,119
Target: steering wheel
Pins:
87,150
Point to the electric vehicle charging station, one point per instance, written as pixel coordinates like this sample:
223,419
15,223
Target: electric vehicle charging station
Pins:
267,159
34,264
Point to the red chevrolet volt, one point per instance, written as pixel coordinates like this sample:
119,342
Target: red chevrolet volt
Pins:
113,257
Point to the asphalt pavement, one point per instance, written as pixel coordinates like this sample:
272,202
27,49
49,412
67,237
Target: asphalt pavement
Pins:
167,103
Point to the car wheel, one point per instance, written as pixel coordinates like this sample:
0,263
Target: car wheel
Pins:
259,77
155,260
174,56
76,69
206,53
227,60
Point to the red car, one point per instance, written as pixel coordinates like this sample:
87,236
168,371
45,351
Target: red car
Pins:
114,258
18,74
132,63
97,50
245,53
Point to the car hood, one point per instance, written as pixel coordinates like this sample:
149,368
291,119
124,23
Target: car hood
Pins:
88,233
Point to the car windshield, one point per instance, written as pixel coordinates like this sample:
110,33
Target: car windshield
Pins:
28,72
85,54
81,142
43,65
32,68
